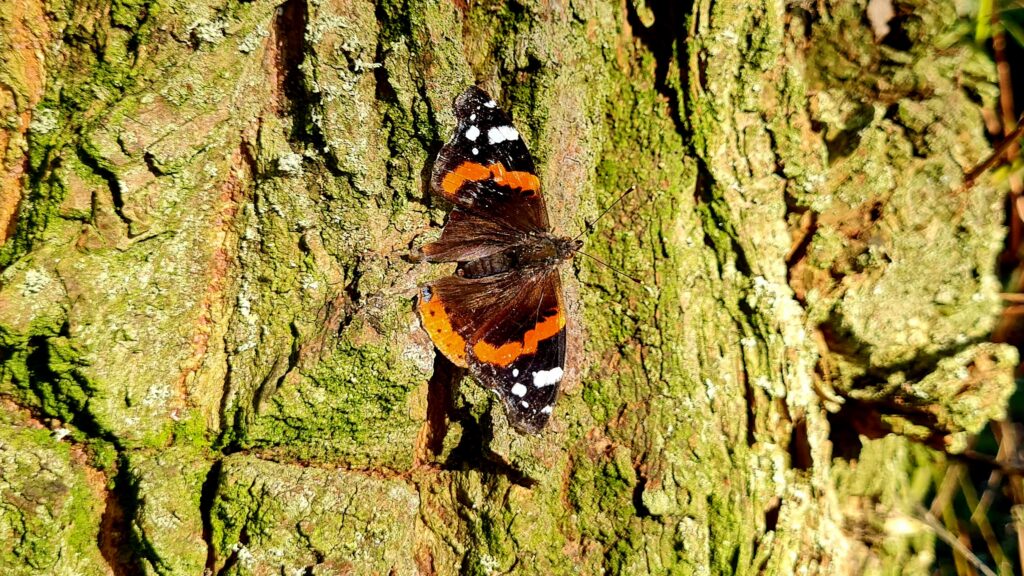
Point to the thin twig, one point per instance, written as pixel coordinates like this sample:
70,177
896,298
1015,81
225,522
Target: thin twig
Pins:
1006,111
1014,466
1015,297
997,154
1011,311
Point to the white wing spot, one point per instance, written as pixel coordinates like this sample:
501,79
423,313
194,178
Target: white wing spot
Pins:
472,117
472,133
519,390
490,103
543,378
524,404
546,410
476,151
515,372
500,134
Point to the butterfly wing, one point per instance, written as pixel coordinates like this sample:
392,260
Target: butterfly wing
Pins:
520,352
453,309
486,168
509,330
468,236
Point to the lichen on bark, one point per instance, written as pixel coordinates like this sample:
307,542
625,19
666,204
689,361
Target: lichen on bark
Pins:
205,283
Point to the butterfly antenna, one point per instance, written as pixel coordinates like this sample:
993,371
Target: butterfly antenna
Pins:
608,266
590,225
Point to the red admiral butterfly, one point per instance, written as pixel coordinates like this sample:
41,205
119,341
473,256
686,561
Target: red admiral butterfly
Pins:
501,315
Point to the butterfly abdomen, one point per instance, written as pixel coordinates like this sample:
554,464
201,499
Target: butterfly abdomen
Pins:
487,266
538,252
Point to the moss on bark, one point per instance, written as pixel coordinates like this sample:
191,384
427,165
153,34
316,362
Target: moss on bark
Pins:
51,501
205,282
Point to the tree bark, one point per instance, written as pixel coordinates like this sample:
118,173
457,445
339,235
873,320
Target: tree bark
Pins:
204,298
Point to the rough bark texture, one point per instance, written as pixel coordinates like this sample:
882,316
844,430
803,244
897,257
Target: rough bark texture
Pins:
203,294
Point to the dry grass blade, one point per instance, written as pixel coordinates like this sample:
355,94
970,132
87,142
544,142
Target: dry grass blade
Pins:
954,542
981,521
1006,109
1009,451
944,494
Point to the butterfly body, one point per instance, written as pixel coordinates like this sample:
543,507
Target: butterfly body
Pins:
535,254
501,315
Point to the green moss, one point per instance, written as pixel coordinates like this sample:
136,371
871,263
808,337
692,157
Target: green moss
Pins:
192,431
281,518
42,369
166,522
602,495
133,14
880,503
43,197
913,282
103,455
244,231
100,66
355,403
50,514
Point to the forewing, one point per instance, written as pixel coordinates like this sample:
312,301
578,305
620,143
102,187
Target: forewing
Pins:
520,352
486,167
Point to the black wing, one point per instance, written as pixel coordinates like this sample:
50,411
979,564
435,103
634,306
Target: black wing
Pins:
486,168
509,330
467,237
520,352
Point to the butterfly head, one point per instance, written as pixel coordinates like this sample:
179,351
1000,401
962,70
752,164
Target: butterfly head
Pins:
566,248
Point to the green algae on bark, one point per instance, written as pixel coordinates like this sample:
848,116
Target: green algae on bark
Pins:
167,520
50,504
269,518
208,277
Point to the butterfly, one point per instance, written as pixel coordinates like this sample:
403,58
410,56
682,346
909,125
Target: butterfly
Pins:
502,314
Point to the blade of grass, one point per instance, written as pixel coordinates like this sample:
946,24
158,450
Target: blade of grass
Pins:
1008,436
983,25
1010,19
981,521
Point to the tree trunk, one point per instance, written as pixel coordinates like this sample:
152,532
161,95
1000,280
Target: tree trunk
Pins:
204,297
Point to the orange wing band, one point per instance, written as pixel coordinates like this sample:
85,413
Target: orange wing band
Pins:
475,172
507,353
439,327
